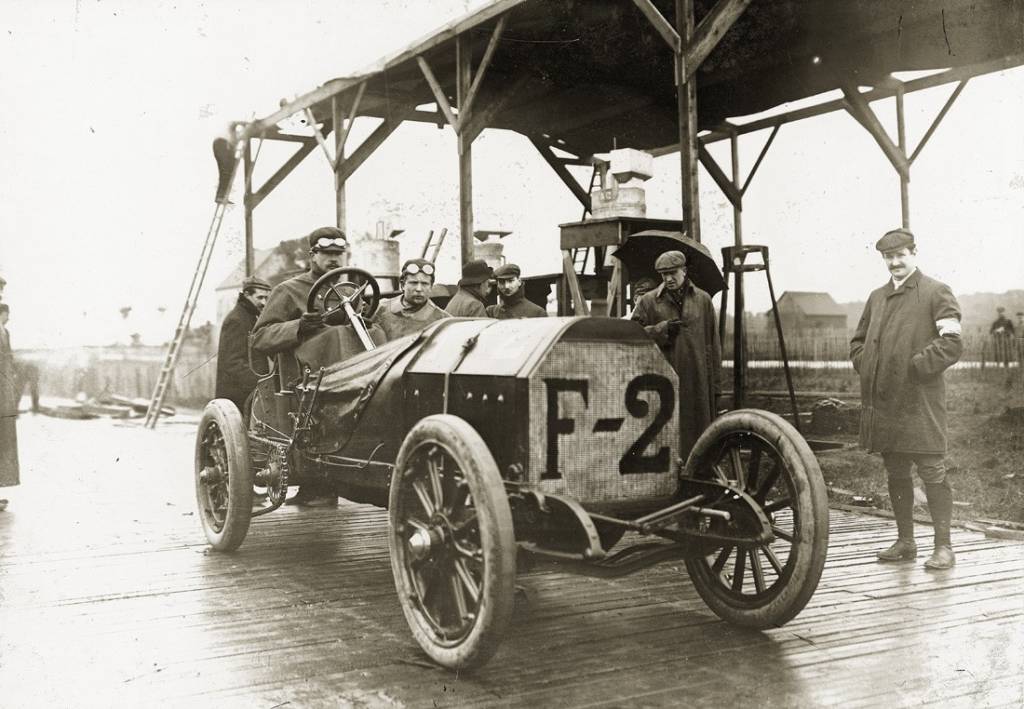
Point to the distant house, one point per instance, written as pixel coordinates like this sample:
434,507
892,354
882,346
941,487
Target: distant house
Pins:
804,312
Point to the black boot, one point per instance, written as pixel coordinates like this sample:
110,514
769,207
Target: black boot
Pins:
940,507
901,496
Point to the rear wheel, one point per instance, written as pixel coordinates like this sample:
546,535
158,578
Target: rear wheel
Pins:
761,586
223,475
453,550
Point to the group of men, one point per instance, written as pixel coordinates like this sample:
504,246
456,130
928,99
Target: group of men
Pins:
908,335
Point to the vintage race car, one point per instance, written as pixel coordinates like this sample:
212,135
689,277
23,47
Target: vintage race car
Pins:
546,437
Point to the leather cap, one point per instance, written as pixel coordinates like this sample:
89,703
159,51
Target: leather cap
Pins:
896,239
326,232
670,261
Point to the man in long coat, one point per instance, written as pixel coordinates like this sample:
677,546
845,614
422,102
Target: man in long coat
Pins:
470,301
512,296
907,337
9,473
680,318
235,378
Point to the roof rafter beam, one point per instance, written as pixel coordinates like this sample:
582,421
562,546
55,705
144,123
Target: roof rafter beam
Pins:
858,107
439,95
282,172
709,32
660,24
731,192
559,166
481,70
373,141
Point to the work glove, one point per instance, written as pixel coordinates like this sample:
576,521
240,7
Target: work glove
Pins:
336,317
310,323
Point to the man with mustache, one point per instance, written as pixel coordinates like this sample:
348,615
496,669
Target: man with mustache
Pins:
907,337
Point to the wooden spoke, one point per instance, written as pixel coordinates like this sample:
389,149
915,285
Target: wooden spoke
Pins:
778,505
424,497
738,572
755,566
455,586
723,558
434,467
722,478
459,497
782,534
765,485
737,467
772,559
753,469
467,580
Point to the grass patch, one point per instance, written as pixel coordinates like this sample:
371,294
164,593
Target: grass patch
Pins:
986,440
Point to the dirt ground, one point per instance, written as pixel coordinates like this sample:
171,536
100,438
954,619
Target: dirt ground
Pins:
986,440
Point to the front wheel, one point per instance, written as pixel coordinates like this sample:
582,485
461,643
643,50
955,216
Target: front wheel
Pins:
453,550
762,586
223,475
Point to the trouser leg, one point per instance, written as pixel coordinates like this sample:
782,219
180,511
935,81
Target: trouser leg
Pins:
901,493
932,470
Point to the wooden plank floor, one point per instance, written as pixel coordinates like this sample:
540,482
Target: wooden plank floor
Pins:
109,597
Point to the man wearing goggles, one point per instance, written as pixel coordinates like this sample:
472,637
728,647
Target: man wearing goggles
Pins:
411,311
474,287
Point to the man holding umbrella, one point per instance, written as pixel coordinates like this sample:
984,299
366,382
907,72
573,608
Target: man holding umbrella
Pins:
680,318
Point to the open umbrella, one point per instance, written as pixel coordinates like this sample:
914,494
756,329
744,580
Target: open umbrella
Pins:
641,249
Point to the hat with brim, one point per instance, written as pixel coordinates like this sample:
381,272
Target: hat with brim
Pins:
475,272
895,240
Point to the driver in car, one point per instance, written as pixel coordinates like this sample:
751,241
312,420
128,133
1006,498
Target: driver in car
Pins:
285,327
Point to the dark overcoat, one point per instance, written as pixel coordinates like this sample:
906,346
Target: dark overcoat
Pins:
515,307
235,379
466,304
9,472
900,356
695,354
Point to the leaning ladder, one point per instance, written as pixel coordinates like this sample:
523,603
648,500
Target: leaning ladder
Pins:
174,349
433,246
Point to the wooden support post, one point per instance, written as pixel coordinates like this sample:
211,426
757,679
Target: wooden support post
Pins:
367,147
463,82
259,195
731,192
901,136
858,107
760,157
737,207
339,157
938,119
250,256
686,91
616,308
709,33
466,101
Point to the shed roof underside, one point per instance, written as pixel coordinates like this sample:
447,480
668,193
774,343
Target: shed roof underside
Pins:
586,72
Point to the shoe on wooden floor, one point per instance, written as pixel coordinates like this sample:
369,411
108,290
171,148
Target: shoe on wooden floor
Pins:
942,558
902,550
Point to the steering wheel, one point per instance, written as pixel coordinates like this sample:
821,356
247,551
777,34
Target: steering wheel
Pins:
340,287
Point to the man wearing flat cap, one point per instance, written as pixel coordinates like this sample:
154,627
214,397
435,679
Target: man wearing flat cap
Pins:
235,378
908,335
474,287
680,318
412,310
512,296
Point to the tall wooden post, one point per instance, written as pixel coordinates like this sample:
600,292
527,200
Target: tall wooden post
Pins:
247,168
739,335
902,138
686,91
464,55
338,120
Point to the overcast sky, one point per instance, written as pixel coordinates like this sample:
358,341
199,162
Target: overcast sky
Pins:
107,179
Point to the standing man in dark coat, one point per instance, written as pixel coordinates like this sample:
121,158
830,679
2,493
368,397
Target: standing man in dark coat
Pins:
512,296
907,337
235,378
1001,332
9,473
474,287
680,318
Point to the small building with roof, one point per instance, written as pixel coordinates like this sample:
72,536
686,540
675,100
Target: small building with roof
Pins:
806,312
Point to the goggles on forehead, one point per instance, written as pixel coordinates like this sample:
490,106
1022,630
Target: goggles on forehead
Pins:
325,242
413,268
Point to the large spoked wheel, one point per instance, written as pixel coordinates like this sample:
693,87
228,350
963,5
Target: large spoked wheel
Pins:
223,475
453,550
761,453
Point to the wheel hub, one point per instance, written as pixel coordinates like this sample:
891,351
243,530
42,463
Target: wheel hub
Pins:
424,542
